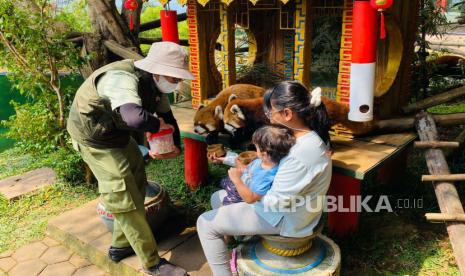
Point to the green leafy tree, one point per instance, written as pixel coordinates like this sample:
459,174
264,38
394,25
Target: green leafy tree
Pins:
433,22
37,41
33,49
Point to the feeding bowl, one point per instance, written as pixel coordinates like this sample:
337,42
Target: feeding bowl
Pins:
247,157
216,149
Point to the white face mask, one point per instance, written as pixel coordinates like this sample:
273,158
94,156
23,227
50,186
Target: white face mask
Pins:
164,85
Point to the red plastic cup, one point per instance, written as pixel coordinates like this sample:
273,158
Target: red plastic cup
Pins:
162,142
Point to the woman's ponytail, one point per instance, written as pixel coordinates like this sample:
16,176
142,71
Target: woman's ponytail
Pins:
318,117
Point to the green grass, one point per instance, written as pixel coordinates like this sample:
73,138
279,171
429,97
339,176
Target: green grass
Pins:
392,244
13,162
170,174
25,219
399,243
448,108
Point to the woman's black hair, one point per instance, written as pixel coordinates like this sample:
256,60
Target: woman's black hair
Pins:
295,96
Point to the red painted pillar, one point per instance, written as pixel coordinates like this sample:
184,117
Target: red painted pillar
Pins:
169,26
195,162
342,223
363,65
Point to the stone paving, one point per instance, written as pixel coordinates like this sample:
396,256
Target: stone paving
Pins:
82,231
46,258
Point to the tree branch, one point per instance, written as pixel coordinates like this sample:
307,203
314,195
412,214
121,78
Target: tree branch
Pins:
121,51
21,60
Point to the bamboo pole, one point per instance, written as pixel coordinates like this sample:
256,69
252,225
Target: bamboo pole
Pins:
450,119
446,193
407,123
434,217
459,139
435,144
448,49
443,177
435,100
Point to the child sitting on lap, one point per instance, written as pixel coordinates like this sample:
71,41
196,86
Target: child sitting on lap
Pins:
251,183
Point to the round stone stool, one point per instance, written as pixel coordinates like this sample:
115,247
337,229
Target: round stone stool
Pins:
275,255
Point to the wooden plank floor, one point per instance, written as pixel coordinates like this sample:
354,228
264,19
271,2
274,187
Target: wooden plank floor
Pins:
352,157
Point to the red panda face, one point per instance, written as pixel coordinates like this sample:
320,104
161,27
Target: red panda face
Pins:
208,119
234,118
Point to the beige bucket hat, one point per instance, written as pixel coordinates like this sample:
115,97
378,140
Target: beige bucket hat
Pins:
166,59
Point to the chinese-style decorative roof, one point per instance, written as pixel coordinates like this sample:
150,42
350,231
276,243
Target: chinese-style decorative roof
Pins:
205,2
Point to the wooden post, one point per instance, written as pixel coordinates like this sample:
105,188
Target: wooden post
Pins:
227,38
197,54
343,223
302,47
446,193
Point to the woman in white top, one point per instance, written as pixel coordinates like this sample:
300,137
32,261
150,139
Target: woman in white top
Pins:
291,207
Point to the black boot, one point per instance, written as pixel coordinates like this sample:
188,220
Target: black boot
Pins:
165,268
116,254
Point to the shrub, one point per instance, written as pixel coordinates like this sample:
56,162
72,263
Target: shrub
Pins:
34,128
69,166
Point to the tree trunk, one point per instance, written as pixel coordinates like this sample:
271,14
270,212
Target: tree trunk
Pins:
109,25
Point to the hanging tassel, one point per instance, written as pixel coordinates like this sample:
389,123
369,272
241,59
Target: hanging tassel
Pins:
382,30
131,5
131,22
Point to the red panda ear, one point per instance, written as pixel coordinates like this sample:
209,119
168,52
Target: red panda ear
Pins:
236,110
219,112
232,97
201,106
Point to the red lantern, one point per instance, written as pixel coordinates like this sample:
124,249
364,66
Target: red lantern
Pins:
442,5
381,5
169,26
131,5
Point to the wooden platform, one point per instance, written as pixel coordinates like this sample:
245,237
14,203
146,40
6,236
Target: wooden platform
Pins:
18,185
352,157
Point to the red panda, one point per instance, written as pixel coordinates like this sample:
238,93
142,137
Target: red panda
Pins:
244,113
249,114
339,112
209,119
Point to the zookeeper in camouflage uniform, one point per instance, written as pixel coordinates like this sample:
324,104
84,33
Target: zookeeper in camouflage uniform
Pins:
116,99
